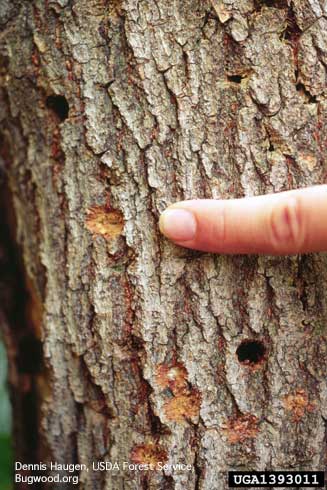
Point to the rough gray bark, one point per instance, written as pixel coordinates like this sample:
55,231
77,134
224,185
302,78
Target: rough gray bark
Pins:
110,111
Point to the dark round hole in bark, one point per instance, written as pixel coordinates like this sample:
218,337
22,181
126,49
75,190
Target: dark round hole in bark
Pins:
59,105
251,351
280,4
234,78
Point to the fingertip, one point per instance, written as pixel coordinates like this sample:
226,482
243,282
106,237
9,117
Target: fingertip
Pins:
178,224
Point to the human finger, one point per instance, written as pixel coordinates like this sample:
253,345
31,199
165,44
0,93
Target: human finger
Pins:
283,223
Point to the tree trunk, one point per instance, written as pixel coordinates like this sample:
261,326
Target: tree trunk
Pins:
122,346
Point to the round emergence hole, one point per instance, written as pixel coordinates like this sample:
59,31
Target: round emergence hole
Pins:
251,351
59,105
235,78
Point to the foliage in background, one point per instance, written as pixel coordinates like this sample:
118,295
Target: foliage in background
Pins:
5,426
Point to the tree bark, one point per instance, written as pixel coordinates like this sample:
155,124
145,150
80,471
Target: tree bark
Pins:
123,346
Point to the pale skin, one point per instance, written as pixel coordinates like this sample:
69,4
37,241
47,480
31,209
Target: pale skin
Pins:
284,223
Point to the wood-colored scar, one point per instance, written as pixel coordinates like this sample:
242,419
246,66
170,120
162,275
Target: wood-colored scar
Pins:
186,400
104,222
240,429
298,404
149,453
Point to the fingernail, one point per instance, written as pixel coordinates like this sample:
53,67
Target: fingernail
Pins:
178,224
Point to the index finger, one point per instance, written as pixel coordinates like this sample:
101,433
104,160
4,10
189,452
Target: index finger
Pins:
284,223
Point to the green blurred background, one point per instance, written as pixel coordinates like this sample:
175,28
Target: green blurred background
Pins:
6,463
